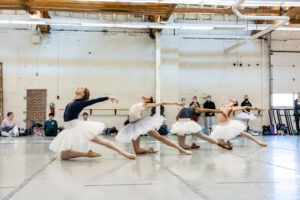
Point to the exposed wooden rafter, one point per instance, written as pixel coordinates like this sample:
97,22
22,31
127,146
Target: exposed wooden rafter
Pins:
163,10
24,4
294,14
43,28
260,11
153,31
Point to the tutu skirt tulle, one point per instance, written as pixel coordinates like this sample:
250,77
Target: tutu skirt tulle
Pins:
185,127
244,115
228,130
76,135
134,129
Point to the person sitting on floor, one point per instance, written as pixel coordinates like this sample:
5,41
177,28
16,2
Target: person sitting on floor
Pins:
9,127
50,126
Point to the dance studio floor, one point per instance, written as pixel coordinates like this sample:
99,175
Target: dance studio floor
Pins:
29,171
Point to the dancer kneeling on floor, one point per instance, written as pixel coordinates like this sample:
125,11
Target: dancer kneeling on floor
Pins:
77,132
228,129
145,125
185,126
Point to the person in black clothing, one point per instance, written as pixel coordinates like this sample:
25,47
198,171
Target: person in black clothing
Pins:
50,126
246,114
163,130
162,111
77,132
195,101
209,117
297,112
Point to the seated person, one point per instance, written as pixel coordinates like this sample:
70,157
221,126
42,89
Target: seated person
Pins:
50,126
85,116
9,127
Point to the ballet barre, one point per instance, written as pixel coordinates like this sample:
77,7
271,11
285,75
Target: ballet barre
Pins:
103,109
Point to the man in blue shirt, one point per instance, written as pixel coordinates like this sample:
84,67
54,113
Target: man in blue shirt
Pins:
50,126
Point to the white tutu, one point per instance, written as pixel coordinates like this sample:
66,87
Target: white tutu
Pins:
244,115
228,130
134,129
76,135
185,126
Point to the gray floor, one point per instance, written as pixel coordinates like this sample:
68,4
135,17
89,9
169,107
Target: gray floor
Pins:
28,170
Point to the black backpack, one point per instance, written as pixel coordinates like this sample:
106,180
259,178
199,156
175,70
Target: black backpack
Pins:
266,130
163,130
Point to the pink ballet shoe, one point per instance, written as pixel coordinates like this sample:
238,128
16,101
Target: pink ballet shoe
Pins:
194,146
91,154
225,146
151,150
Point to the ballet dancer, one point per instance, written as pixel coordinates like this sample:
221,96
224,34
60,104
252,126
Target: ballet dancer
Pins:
228,129
77,132
185,126
246,114
145,125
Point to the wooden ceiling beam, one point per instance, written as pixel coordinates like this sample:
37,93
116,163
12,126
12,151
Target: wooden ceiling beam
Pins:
94,11
154,31
25,5
294,14
260,11
45,29
89,6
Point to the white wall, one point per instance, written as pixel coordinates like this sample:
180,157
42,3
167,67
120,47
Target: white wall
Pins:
205,69
123,65
285,62
120,66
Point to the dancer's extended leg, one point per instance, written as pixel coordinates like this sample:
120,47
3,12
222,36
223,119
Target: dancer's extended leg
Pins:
139,150
213,141
157,136
250,137
65,155
206,138
108,144
181,142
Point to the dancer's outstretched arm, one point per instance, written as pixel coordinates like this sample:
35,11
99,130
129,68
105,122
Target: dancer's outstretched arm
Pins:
204,110
151,105
247,107
84,104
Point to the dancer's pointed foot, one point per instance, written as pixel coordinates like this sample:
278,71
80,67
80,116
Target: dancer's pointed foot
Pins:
128,155
263,144
228,143
225,146
151,150
91,154
187,147
186,152
194,146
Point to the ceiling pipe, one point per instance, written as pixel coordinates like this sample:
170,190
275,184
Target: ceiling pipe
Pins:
141,25
282,20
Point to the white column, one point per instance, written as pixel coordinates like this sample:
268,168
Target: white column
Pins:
157,70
